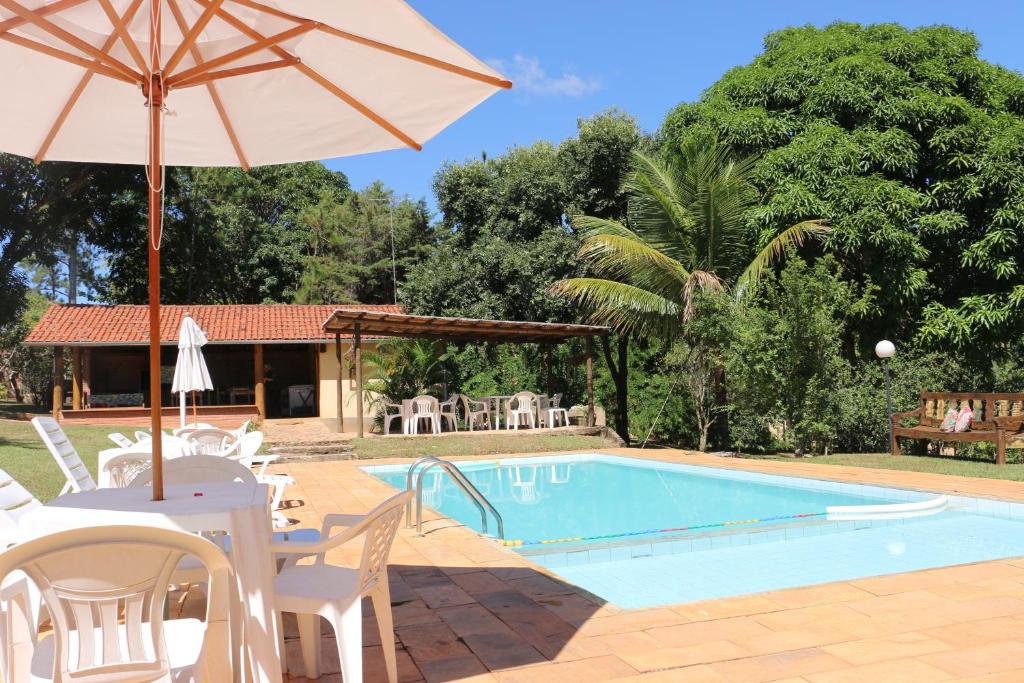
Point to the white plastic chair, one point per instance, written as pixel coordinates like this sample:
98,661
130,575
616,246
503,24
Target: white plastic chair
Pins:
124,468
88,578
391,417
449,411
142,437
475,410
335,593
210,441
120,439
196,469
75,471
425,408
520,409
243,451
183,431
555,411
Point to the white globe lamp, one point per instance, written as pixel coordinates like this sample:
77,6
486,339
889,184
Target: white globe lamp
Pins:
885,349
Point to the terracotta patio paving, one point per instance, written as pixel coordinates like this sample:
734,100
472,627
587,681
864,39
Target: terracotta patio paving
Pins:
468,610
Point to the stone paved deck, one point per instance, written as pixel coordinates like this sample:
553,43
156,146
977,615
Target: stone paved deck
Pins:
467,610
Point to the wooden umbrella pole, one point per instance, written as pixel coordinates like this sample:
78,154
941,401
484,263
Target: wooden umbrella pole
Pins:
155,183
195,411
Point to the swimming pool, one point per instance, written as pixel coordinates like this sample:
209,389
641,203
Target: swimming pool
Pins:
641,533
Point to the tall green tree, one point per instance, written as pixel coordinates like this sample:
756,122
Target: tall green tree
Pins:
229,236
910,145
361,248
686,232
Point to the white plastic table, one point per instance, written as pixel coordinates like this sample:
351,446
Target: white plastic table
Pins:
238,509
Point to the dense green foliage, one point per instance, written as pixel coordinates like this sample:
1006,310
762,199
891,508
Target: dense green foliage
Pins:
910,145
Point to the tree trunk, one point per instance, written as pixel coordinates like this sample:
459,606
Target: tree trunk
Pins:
620,376
73,269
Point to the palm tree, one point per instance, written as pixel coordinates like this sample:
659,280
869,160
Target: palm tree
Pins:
686,231
401,369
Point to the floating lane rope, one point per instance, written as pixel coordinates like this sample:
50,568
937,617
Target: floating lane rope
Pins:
607,537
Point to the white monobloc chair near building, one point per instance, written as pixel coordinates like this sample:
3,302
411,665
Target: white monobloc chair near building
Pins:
75,471
520,409
335,593
88,578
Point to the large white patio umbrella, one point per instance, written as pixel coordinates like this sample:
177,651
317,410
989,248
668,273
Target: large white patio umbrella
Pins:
190,372
223,83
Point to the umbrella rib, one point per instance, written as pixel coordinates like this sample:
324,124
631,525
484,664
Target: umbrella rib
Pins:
384,47
45,10
320,79
191,35
80,88
236,71
121,31
34,18
211,88
84,62
235,55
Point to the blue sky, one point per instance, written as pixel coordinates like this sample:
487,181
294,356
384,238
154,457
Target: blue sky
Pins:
573,58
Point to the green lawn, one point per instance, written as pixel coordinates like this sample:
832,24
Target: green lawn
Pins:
963,467
477,444
24,457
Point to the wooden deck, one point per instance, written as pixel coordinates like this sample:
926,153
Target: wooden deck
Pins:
218,416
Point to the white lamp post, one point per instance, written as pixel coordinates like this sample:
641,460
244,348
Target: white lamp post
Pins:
885,350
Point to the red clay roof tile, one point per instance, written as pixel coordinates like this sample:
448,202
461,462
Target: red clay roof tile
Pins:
85,324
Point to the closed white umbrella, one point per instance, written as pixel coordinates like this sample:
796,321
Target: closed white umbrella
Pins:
190,372
224,83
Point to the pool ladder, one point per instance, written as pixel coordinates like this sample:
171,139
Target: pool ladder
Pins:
428,463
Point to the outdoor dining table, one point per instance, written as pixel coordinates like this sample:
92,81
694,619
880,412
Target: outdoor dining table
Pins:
241,510
494,405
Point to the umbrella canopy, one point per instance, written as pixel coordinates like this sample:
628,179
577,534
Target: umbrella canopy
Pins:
190,372
245,82
224,83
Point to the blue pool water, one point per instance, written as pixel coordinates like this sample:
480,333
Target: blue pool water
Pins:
733,532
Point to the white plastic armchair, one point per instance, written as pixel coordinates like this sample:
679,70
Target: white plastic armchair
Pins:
449,410
425,408
210,441
335,593
521,409
124,468
196,469
244,452
389,417
88,578
474,411
75,471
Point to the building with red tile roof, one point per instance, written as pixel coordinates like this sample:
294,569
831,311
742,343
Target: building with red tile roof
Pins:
266,360
128,325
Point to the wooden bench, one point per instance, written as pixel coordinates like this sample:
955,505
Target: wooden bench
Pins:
998,418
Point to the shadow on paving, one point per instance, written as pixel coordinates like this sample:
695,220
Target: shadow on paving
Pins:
457,622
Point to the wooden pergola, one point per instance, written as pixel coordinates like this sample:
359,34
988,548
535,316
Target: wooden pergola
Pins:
383,324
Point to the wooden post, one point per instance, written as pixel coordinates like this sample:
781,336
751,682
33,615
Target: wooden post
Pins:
58,380
591,415
357,352
260,389
86,376
341,378
76,378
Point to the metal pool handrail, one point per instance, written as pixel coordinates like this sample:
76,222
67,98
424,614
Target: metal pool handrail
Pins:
472,492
